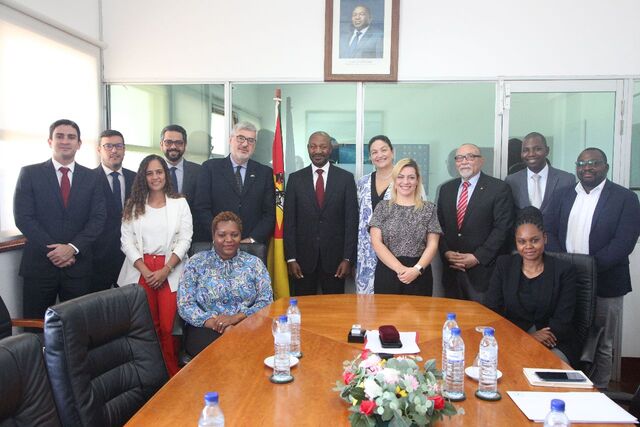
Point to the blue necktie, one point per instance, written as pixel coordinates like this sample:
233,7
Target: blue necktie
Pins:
117,191
174,179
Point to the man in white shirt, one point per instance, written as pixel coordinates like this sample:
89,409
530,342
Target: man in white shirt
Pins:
599,218
116,183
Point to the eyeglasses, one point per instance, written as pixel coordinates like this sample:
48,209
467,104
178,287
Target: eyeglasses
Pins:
242,139
583,163
119,146
468,157
178,143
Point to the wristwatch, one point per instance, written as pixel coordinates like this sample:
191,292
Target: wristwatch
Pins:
419,268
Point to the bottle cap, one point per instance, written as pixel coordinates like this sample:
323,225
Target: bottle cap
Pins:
488,332
451,316
293,301
557,405
282,318
455,332
211,397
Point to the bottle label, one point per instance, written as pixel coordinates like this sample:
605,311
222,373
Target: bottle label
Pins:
489,354
455,355
293,318
283,338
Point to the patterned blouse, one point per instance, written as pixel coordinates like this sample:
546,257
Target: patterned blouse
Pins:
211,286
404,229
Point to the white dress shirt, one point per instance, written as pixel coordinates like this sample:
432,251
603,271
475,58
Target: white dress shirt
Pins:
179,173
580,217
325,175
71,167
543,174
243,168
154,242
473,182
108,172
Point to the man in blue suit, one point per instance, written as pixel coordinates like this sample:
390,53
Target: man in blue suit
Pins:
536,184
363,40
599,218
59,207
116,183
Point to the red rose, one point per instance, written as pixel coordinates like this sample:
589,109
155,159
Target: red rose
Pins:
348,376
365,353
438,402
367,407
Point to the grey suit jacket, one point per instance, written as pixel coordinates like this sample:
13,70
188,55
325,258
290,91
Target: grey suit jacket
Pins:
556,180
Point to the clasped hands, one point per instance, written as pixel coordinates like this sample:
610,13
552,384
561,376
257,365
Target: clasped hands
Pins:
461,261
407,274
156,279
61,255
343,270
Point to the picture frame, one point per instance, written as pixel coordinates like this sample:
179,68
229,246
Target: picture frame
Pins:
361,40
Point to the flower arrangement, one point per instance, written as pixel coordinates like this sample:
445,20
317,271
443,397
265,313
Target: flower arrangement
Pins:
392,392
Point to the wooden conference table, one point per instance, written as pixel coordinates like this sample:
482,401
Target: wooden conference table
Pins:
233,365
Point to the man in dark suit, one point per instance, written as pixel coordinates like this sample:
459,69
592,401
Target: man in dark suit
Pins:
320,222
59,207
476,215
116,183
536,184
182,173
240,185
599,218
364,40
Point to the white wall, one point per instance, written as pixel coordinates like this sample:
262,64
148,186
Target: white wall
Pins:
82,16
215,40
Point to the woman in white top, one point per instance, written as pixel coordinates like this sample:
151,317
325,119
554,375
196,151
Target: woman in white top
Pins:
156,235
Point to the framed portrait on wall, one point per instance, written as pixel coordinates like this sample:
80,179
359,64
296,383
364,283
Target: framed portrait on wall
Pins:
361,40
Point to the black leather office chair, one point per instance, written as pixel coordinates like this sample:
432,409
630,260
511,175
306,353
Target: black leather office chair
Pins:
7,323
630,401
25,393
586,292
103,356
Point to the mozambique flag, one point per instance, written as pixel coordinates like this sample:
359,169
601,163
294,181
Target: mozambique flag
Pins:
276,263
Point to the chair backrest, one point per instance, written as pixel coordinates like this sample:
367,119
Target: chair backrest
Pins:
25,393
586,286
256,249
5,320
103,356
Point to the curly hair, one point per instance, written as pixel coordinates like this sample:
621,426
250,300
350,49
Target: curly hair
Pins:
529,215
134,207
225,216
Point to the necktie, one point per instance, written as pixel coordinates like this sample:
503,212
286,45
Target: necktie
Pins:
117,190
462,203
320,188
239,179
357,39
65,185
174,179
536,196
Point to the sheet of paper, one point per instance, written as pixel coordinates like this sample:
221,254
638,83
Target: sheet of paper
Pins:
408,340
580,407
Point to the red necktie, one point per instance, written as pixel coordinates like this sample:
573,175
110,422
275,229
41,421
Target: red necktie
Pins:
65,185
320,188
462,203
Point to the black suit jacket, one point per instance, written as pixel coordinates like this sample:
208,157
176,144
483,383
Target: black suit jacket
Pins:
555,303
42,218
328,234
107,256
189,181
217,192
486,227
614,232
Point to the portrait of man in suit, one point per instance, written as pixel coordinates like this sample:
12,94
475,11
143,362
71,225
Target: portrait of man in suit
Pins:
59,207
183,173
599,218
476,215
536,184
238,184
320,222
115,182
360,37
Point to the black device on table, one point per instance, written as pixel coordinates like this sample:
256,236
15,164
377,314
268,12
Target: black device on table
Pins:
553,376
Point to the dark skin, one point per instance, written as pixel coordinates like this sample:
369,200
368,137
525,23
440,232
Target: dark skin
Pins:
534,154
319,148
591,176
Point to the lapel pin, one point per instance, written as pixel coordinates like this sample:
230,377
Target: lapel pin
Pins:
252,176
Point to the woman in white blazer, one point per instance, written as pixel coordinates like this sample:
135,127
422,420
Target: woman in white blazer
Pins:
156,235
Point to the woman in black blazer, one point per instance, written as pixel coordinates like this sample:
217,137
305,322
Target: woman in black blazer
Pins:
535,291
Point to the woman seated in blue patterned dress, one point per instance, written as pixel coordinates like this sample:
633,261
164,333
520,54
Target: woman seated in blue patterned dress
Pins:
221,287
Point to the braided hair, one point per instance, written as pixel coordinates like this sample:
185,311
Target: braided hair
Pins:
530,215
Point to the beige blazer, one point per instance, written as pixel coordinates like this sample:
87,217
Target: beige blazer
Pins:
178,232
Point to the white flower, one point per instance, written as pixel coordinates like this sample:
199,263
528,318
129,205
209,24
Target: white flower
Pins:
391,376
371,388
372,360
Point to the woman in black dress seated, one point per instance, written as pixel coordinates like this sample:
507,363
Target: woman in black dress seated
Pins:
535,291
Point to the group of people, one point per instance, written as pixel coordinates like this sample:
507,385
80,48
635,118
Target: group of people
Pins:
89,230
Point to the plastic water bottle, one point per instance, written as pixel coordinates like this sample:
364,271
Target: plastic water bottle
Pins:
454,379
557,417
488,366
293,314
282,341
449,324
212,415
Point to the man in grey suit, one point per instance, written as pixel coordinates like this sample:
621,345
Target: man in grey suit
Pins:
183,173
363,40
536,184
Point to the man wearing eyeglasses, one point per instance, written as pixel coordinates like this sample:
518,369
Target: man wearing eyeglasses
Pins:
238,184
116,183
183,174
599,218
476,215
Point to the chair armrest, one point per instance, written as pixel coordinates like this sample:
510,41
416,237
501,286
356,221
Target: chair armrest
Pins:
28,323
590,345
178,326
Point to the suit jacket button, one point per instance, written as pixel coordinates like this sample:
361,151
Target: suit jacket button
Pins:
459,234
